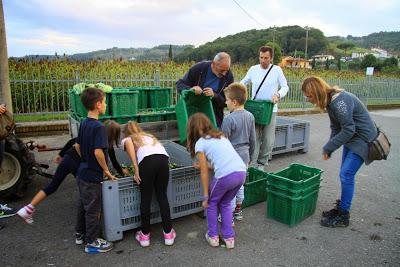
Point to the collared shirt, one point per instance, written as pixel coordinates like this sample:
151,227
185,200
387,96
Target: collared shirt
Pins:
275,83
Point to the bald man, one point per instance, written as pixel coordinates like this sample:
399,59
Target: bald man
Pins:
210,78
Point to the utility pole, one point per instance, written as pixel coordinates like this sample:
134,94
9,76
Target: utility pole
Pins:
273,40
305,51
5,96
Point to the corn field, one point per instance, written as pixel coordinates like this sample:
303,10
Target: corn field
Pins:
42,87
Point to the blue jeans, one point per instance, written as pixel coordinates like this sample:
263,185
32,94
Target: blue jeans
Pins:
351,163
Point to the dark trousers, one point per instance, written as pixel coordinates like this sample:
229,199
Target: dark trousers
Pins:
67,165
89,210
154,173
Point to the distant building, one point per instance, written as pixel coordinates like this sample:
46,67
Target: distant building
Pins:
356,55
377,52
380,53
291,62
323,57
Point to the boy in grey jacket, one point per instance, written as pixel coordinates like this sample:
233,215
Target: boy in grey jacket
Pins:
239,128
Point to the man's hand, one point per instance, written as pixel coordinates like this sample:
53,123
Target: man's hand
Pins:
197,90
325,156
275,98
208,91
3,108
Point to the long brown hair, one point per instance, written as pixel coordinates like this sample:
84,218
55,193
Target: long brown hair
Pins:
136,133
199,125
320,90
113,130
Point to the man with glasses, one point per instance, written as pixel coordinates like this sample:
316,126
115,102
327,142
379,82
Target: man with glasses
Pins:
209,78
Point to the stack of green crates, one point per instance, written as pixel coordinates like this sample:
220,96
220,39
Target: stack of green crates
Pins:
254,187
76,106
187,105
159,97
152,97
122,105
292,193
261,110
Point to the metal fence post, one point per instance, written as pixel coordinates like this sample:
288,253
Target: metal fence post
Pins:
157,78
77,79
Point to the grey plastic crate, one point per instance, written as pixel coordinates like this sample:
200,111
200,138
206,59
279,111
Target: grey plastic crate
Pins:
73,126
291,135
121,199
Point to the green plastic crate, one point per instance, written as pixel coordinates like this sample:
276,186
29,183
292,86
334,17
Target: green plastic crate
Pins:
151,117
78,108
254,187
294,193
125,119
295,177
124,103
290,210
188,104
261,110
159,97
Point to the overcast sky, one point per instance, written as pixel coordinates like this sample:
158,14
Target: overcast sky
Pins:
74,26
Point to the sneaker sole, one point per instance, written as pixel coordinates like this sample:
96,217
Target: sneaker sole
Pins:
95,250
146,244
79,242
7,216
334,225
26,221
169,242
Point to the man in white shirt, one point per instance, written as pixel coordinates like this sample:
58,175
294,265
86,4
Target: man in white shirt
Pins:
273,88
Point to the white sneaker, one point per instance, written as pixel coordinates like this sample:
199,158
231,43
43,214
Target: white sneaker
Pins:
230,242
213,241
26,214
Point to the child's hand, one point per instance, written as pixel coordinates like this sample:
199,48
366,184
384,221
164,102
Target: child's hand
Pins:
125,171
205,203
57,159
109,175
196,165
137,179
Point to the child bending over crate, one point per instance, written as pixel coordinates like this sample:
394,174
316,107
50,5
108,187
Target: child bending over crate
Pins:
209,145
150,160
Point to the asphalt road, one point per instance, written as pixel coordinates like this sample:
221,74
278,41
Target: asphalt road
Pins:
372,239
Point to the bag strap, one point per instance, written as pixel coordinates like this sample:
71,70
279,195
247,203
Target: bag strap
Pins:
262,82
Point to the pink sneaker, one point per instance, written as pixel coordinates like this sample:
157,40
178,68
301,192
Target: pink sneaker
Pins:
169,238
144,240
26,213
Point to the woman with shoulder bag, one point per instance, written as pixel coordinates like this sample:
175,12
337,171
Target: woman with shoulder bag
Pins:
351,127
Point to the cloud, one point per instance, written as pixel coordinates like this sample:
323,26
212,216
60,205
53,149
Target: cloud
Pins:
82,25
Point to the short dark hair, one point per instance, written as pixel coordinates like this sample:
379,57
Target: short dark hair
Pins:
265,48
90,96
236,91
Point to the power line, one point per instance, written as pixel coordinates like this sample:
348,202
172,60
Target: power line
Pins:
250,16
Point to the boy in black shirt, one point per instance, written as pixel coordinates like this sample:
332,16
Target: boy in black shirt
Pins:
92,145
